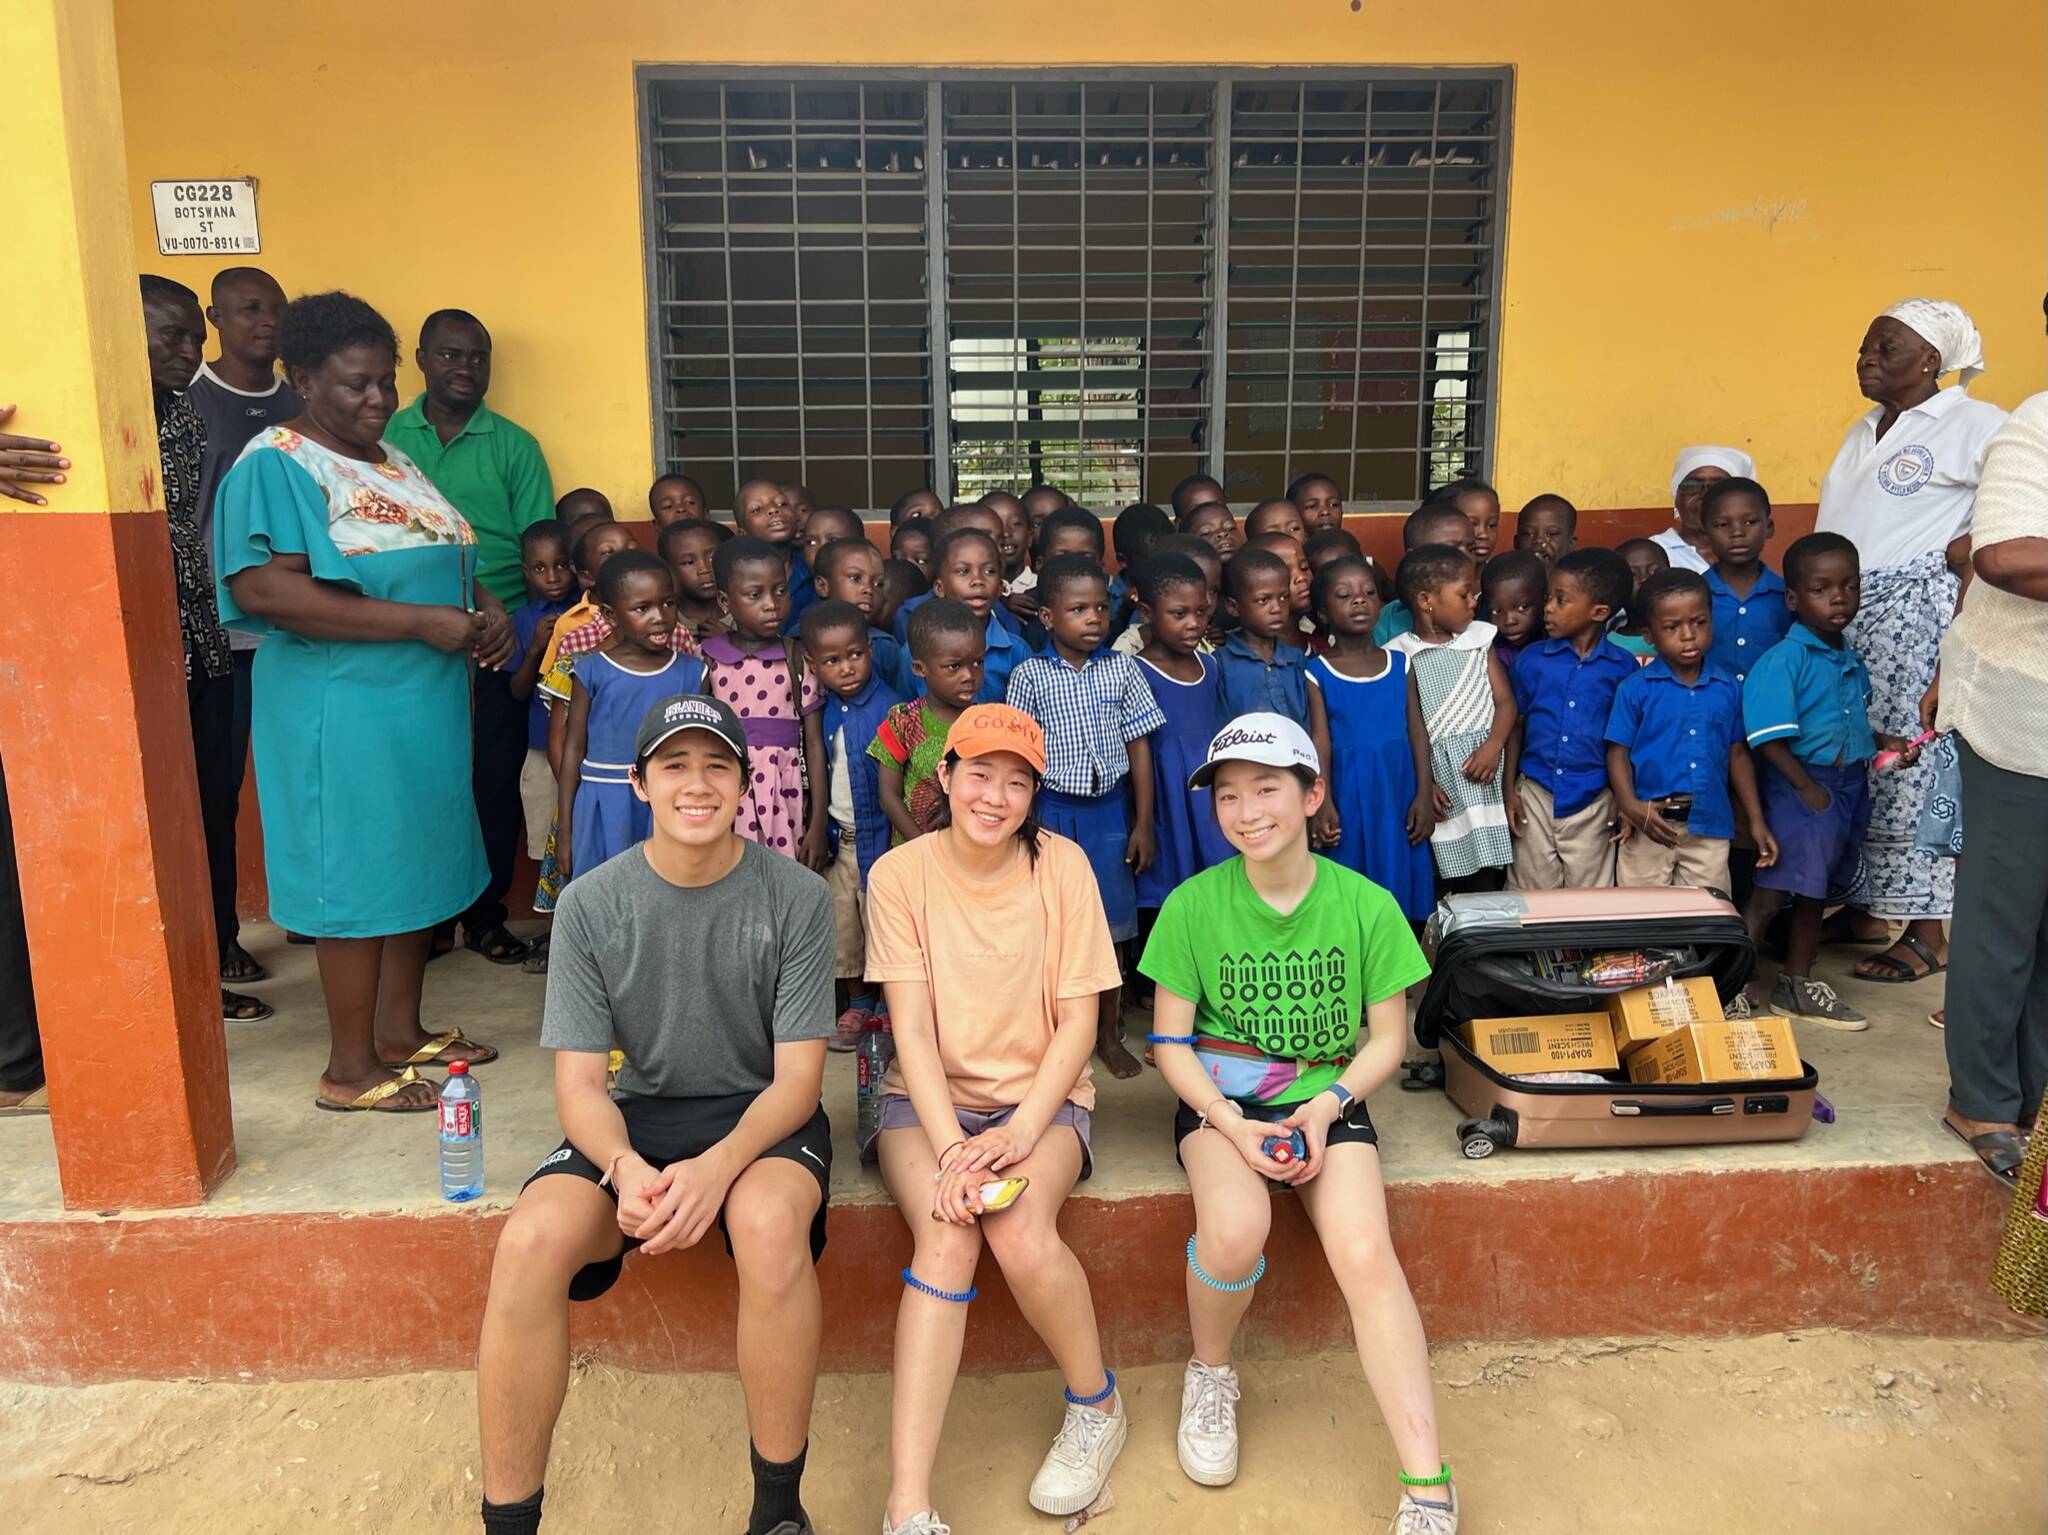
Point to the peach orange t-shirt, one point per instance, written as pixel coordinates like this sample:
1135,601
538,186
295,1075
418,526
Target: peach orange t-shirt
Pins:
997,956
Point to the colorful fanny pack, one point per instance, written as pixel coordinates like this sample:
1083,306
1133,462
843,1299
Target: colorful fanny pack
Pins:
1247,1073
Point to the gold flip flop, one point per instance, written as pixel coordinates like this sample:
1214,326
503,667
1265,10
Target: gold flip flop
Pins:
372,1102
429,1054
37,1102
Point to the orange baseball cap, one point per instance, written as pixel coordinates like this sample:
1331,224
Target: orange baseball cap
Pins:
985,728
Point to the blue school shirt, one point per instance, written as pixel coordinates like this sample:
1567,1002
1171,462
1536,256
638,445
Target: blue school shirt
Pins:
892,661
1247,683
1679,739
1565,699
909,605
1812,695
524,621
1394,619
1746,627
803,590
861,716
1005,649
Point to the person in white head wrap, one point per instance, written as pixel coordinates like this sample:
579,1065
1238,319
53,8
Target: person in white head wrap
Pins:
1902,489
1698,466
1948,330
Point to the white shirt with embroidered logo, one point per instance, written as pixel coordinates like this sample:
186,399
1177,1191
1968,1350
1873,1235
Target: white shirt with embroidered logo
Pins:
1899,498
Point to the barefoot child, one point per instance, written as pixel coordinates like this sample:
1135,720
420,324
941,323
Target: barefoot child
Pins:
761,674
989,941
1381,798
837,644
1097,716
1248,1069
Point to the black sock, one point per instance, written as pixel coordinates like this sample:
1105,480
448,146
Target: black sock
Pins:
777,1485
521,1518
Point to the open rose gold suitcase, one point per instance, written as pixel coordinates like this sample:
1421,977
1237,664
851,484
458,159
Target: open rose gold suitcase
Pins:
1483,952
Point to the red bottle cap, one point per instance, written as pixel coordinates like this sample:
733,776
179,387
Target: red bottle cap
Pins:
458,1068
1282,1153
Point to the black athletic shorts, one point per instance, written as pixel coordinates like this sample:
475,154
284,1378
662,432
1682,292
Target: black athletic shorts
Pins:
665,1130
1354,1125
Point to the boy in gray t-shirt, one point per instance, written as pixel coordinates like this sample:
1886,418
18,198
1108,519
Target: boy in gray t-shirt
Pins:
707,960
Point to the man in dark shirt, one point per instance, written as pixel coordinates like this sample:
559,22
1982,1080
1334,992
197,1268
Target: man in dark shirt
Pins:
176,335
238,396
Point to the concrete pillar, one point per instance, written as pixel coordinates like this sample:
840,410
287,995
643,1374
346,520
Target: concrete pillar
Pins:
93,722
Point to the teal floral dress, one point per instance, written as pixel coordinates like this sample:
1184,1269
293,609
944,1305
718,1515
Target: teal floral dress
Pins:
362,747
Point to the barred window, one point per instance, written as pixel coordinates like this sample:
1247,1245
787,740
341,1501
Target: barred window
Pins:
1129,280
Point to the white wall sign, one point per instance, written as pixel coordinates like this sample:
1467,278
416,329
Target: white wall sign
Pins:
205,218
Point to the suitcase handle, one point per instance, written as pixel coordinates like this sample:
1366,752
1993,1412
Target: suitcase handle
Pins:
1635,1108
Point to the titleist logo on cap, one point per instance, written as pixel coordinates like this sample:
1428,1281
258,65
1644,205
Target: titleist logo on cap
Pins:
1236,737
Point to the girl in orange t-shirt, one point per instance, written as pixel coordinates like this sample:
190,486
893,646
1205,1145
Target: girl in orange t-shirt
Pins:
989,941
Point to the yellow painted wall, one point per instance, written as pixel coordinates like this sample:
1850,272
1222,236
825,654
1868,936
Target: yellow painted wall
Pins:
1705,207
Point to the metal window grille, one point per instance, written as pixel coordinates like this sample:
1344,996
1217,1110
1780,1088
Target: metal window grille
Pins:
1132,279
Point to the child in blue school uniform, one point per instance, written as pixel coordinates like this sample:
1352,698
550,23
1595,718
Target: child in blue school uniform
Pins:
1261,669
838,645
1096,711
598,814
1805,706
850,570
1174,608
1750,611
1381,804
1675,749
1560,808
967,566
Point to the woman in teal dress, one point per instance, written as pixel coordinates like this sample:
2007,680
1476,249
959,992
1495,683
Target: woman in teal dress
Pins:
332,543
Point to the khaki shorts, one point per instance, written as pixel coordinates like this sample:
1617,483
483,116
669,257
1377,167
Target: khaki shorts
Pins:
1698,862
539,797
849,910
1572,853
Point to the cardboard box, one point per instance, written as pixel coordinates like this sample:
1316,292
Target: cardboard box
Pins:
1645,1014
1729,1050
1547,1042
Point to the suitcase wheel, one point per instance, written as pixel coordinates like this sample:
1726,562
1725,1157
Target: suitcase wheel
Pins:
1479,1138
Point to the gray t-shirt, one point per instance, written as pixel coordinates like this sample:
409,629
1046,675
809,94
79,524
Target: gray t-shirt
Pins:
696,986
233,418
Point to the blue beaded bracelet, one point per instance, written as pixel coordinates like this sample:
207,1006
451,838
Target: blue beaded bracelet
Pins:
1228,1287
958,1297
1169,1039
1103,1395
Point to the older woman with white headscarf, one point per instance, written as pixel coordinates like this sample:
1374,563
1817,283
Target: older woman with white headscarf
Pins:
1698,466
1902,490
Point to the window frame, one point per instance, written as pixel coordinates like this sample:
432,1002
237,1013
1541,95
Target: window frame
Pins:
1212,450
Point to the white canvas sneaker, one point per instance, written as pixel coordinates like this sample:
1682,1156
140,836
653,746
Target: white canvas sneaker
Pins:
1412,1518
1077,1466
1208,1423
926,1523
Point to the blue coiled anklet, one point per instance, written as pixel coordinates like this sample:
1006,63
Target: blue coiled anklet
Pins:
958,1297
1169,1039
1103,1395
1229,1287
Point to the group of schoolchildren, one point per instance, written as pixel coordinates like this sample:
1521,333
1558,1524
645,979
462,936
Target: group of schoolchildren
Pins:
1544,716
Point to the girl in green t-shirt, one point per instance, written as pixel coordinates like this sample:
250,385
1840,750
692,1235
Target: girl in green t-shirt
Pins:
1264,967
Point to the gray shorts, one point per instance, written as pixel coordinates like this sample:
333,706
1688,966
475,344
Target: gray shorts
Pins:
897,1114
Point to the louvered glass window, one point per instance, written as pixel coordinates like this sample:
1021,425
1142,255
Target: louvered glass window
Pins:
1131,279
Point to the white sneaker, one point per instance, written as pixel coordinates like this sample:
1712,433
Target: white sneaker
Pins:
926,1523
1208,1423
1077,1466
1413,1518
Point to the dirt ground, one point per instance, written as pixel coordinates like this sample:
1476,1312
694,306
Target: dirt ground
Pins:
1790,1432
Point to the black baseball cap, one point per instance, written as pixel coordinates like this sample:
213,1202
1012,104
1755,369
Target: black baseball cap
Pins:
690,711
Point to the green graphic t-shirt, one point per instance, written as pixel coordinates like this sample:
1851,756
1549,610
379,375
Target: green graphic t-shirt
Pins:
1282,997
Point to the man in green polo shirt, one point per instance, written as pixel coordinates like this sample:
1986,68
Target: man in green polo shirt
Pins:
494,472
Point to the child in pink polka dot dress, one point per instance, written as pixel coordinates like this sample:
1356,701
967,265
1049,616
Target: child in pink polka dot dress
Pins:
778,699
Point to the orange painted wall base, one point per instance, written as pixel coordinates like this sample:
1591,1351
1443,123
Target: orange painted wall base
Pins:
284,1296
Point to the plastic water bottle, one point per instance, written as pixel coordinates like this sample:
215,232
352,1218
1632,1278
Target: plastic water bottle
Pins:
872,1055
462,1135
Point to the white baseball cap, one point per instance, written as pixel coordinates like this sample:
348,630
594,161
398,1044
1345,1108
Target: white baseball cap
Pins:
1272,740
